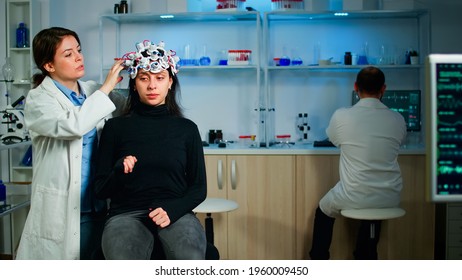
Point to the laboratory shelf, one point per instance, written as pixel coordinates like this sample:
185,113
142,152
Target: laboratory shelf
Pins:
337,15
190,16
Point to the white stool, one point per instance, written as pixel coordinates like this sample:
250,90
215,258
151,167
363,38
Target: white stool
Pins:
214,205
376,214
373,214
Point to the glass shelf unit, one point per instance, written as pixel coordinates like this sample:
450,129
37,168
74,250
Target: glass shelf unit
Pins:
17,172
219,32
198,17
341,67
335,15
356,20
172,17
328,35
21,11
28,12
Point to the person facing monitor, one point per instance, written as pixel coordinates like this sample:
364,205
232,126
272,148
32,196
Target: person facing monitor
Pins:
405,102
369,136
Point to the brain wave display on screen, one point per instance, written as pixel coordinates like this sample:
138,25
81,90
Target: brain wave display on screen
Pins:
405,102
449,128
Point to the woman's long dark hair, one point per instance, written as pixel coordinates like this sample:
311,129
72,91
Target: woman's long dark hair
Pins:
172,99
44,45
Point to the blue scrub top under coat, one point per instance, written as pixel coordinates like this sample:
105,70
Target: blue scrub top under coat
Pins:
90,144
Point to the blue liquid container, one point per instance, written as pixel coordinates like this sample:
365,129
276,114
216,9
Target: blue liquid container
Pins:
284,61
22,36
362,60
204,61
2,193
297,61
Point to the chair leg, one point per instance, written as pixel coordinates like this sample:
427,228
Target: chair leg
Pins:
209,234
211,252
367,240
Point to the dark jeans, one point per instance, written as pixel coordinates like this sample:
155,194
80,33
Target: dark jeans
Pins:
130,236
91,230
366,247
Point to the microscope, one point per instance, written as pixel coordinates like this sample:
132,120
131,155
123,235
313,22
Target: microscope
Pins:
16,128
303,127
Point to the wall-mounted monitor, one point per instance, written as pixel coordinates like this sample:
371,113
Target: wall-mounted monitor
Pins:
406,102
444,127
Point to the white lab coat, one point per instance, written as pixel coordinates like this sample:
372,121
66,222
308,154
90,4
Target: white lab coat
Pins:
369,136
56,126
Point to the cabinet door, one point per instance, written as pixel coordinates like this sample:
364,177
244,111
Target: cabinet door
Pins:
263,227
411,237
315,176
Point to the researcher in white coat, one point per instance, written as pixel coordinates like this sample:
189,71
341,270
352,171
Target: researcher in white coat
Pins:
64,116
369,136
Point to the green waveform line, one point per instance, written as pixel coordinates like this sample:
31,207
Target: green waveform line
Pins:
450,170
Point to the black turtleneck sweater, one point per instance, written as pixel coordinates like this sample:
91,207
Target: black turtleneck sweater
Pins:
170,171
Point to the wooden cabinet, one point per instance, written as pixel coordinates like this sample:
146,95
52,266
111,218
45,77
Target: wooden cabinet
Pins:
263,227
410,237
278,196
316,174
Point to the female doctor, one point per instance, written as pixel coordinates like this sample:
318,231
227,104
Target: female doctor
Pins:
64,116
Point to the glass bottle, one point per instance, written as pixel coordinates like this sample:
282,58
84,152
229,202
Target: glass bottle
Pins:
212,136
8,70
2,193
123,7
219,136
316,53
8,75
347,58
22,36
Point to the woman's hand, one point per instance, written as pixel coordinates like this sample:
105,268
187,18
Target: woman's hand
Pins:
113,78
159,217
129,164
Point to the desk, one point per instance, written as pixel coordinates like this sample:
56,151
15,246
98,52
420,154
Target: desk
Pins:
14,202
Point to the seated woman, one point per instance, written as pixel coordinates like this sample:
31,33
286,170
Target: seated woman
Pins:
151,166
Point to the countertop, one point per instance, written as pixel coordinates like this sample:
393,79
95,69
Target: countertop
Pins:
296,149
14,202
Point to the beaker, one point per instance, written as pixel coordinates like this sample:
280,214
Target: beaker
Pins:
204,60
362,59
